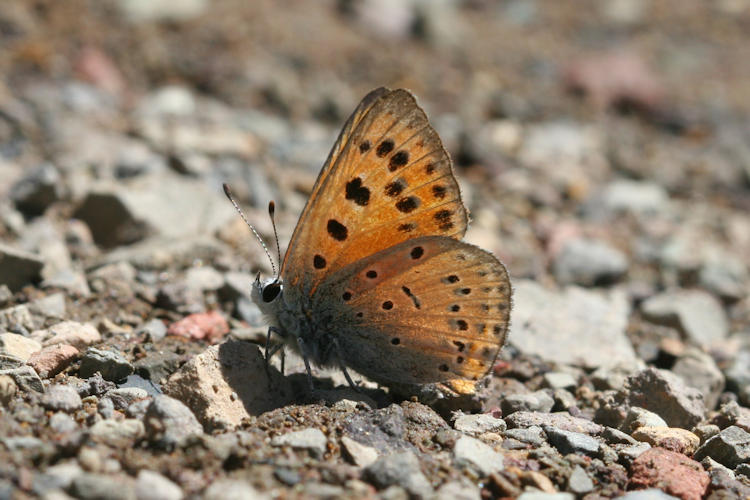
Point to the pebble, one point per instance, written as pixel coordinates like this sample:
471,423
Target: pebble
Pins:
669,438
117,433
599,318
671,472
458,490
112,365
697,314
579,482
730,447
62,423
204,278
699,370
17,319
168,421
310,439
129,395
538,401
572,442
79,335
475,425
51,306
560,380
588,262
361,455
154,329
150,485
18,268
25,378
538,495
531,435
8,389
90,486
627,196
560,420
399,469
647,494
639,417
665,394
232,489
738,372
17,345
61,398
470,452
53,359
724,275
210,326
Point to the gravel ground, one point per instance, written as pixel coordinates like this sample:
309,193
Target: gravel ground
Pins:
603,150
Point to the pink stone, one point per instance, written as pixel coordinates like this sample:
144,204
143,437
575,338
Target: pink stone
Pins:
210,326
52,359
671,472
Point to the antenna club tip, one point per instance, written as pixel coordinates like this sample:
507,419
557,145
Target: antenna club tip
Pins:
271,207
227,191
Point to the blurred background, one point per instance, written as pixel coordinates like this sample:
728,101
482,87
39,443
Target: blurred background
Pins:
598,143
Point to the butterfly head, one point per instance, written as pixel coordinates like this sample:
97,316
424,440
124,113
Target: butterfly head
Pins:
267,293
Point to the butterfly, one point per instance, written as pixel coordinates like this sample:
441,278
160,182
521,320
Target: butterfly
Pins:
375,277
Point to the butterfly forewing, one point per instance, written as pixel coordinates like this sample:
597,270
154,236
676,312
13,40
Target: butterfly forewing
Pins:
426,310
388,179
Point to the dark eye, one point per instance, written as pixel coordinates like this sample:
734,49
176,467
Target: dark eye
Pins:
270,291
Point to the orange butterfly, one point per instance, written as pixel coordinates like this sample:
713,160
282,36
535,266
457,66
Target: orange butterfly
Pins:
375,277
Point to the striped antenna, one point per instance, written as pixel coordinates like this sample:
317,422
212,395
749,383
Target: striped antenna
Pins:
228,192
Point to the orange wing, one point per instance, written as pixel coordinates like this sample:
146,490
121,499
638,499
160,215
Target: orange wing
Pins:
387,179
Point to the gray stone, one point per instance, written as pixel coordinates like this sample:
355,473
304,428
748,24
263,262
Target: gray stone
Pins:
400,469
361,455
470,452
232,489
204,278
639,417
564,400
155,329
698,369
539,495
631,452
538,401
697,314
168,421
117,433
615,436
62,423
730,447
587,262
17,319
560,420
25,378
575,326
572,442
665,394
560,380
706,432
458,490
112,365
649,494
532,435
61,398
724,275
479,424
18,268
51,306
89,486
579,482
59,476
150,485
738,372
79,335
743,469
310,439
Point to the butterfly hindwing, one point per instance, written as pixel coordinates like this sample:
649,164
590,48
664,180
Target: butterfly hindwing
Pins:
388,179
426,310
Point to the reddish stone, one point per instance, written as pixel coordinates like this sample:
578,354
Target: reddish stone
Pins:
670,472
52,359
210,326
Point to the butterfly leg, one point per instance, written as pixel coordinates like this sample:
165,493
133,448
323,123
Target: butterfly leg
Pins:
271,350
343,367
302,347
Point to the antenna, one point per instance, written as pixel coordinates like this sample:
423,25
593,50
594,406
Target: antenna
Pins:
271,211
228,192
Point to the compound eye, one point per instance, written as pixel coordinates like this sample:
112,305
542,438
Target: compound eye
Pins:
271,291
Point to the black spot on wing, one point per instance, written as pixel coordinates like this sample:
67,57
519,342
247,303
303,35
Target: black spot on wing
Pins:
337,230
357,193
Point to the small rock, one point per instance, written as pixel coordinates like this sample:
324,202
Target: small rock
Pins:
168,421
91,486
470,452
458,490
400,469
475,425
129,395
579,482
117,433
37,190
633,197
155,329
638,417
665,394
18,268
572,442
18,345
671,472
53,359
51,306
538,495
79,335
112,365
563,421
150,485
307,439
62,423
648,494
17,319
743,469
706,432
738,373
730,447
204,278
8,389
699,370
724,275
538,401
531,435
232,489
25,378
361,455
62,398
697,314
210,326
669,438
180,298
601,319
560,380
564,400
589,263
